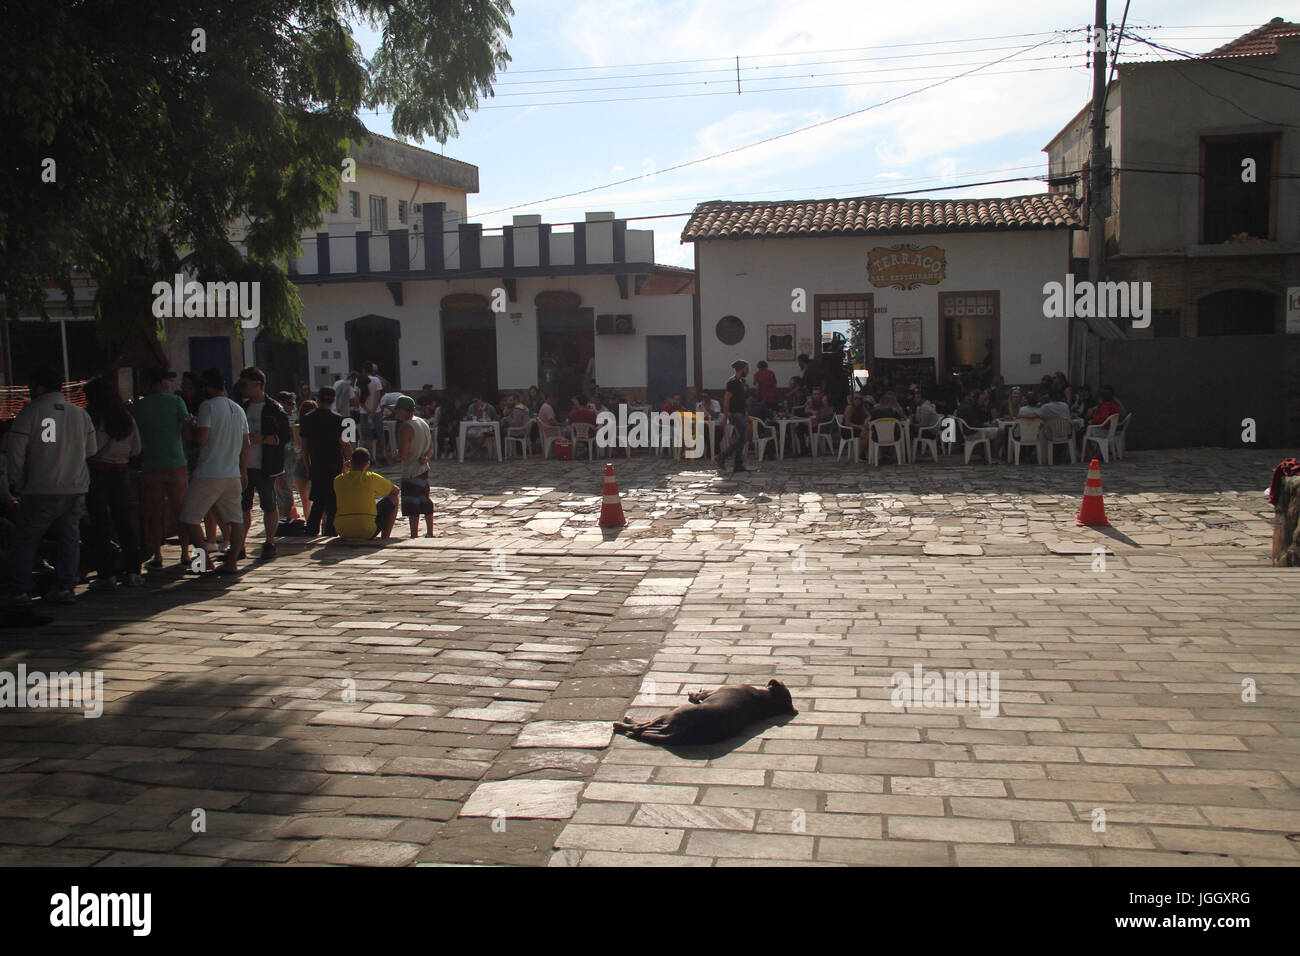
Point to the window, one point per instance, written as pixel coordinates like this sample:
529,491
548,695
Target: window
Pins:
730,330
1167,323
354,204
401,211
378,215
1230,206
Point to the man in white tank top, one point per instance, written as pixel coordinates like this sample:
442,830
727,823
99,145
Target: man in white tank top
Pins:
414,450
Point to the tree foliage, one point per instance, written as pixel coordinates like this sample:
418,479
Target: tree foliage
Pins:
174,147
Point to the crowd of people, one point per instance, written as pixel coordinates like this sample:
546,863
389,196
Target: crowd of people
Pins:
69,508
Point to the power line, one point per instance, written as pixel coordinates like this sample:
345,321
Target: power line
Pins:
1214,62
766,89
771,139
853,49
730,71
728,80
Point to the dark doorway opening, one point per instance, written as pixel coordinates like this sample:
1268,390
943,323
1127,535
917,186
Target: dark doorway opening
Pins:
469,347
1237,312
36,343
212,351
566,347
374,338
665,359
285,363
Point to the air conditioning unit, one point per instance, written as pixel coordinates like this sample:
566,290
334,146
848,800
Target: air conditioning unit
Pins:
615,325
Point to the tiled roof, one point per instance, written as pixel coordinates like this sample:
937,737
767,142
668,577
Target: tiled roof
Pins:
1259,40
869,217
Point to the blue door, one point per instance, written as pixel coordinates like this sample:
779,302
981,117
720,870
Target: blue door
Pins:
211,351
665,357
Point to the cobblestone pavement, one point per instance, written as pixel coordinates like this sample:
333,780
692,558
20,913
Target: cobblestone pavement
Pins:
448,700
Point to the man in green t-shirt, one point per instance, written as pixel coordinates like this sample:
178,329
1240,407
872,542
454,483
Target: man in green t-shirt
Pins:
163,419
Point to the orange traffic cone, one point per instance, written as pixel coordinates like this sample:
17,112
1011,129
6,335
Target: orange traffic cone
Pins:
1092,512
611,508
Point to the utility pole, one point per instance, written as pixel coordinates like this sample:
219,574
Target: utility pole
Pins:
1085,339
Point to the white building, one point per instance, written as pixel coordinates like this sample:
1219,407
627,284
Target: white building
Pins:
938,283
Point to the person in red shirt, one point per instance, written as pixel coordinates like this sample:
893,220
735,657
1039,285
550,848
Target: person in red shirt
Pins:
765,382
673,405
580,413
1108,406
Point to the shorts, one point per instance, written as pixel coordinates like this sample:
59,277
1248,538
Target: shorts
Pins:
299,470
204,493
415,497
370,428
363,527
264,485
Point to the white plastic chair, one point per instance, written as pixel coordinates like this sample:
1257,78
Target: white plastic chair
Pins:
825,433
550,435
1057,431
1120,434
518,436
584,433
927,436
1029,428
848,440
1103,436
973,439
886,433
760,436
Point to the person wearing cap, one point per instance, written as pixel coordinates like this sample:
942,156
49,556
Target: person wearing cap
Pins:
414,451
736,408
46,451
164,422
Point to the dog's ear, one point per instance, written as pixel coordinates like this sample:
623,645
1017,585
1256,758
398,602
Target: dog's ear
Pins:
773,683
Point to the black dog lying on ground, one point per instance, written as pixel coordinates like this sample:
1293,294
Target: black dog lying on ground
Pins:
712,715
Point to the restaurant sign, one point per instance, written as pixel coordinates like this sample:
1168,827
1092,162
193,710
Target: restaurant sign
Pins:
905,266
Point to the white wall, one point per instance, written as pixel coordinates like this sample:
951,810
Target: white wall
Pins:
754,279
620,359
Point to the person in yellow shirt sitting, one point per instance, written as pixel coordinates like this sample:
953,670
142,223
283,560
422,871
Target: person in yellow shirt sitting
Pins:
360,517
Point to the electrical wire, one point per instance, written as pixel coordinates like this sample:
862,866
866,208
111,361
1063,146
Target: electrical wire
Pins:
770,139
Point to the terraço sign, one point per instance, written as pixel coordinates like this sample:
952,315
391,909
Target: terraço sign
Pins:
905,266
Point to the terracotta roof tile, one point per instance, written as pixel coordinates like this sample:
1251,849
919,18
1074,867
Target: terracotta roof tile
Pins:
1259,40
867,216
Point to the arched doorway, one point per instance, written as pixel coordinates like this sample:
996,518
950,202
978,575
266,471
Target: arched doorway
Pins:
284,362
469,346
566,345
1237,312
374,338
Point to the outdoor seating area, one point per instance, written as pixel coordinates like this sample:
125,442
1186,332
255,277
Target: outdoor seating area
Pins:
1044,425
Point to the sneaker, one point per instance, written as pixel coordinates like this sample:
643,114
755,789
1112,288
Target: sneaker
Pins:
268,551
133,580
17,600
61,597
103,584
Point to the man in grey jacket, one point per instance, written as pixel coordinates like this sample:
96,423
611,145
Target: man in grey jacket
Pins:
46,452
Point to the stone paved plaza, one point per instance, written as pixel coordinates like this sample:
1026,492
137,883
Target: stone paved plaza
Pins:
449,700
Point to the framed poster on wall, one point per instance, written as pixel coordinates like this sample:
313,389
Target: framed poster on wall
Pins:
907,336
780,343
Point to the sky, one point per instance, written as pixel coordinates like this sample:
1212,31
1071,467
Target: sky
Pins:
667,71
